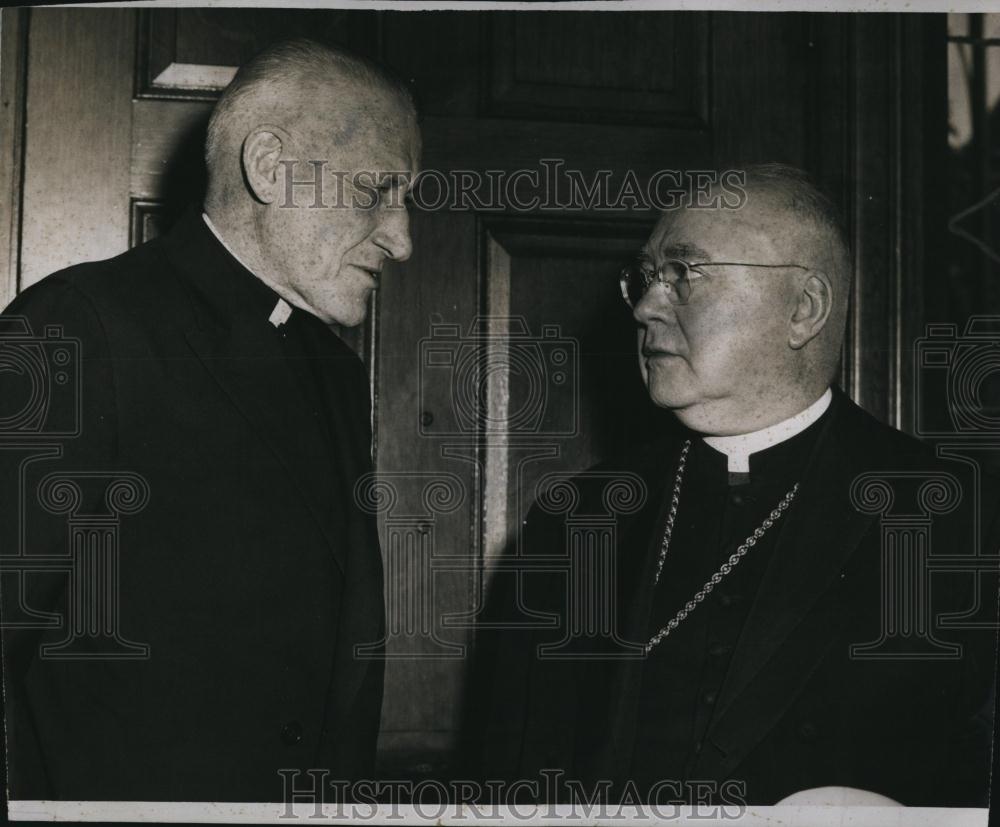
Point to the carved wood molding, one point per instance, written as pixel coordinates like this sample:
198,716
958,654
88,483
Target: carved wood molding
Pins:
193,53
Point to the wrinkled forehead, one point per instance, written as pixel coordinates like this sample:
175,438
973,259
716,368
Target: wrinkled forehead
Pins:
717,234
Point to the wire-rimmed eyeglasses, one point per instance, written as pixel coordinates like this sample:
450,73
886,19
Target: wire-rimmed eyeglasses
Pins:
676,275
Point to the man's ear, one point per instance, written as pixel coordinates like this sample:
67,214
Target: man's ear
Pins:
815,301
263,149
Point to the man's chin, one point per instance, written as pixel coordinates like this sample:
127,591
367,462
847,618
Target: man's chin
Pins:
670,395
671,400
353,321
687,406
348,317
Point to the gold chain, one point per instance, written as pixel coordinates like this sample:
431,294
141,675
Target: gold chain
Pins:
725,568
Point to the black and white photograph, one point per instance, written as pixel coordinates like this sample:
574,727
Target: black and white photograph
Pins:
527,413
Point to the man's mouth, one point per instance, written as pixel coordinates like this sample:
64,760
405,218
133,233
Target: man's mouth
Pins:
375,273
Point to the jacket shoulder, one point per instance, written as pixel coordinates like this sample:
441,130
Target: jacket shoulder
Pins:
878,447
133,291
882,443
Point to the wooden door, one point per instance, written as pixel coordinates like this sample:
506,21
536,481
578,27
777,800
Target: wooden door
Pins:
501,351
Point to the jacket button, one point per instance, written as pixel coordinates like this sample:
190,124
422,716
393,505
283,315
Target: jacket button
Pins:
291,733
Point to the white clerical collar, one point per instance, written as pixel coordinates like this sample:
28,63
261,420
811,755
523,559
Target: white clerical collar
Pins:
282,310
739,447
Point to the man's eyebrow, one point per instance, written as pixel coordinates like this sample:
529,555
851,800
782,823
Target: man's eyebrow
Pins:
684,250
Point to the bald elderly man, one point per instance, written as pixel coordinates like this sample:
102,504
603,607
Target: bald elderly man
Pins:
210,371
759,645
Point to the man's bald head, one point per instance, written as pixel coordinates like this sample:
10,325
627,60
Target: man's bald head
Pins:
805,227
286,85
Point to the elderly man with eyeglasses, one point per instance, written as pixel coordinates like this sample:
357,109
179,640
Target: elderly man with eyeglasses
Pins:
772,634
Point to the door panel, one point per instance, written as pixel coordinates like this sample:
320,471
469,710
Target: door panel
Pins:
620,69
75,185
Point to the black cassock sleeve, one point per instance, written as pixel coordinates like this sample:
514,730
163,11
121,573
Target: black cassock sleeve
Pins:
57,417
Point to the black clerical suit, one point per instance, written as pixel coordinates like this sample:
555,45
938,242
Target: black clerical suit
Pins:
250,573
759,684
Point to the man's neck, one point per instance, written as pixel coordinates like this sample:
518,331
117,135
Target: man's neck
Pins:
283,309
288,296
229,248
739,447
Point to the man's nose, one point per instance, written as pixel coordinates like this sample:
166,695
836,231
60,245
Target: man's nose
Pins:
393,234
653,307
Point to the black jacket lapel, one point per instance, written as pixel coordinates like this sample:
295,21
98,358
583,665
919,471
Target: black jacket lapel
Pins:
643,534
773,658
253,375
362,614
244,356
